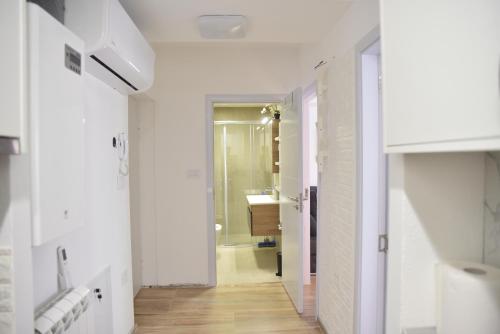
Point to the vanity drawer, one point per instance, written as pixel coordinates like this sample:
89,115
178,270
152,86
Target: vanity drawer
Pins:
264,219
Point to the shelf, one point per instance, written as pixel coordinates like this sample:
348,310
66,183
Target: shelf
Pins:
275,146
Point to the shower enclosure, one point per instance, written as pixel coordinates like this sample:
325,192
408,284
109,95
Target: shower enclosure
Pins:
242,156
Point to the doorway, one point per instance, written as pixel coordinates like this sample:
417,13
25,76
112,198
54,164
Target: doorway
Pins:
238,138
245,192
288,216
372,242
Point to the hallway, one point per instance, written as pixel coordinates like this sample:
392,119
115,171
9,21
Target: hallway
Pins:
255,308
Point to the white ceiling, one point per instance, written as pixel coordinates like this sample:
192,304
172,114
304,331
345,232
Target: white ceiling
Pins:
278,21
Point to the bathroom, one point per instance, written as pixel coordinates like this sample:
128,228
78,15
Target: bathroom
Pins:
246,173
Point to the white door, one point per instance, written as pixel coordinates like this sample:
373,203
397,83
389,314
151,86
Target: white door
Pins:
372,228
291,197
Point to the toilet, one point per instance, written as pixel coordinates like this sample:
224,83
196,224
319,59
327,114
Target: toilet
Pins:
218,230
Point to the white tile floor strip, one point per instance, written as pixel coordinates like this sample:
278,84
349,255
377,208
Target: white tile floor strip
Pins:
246,264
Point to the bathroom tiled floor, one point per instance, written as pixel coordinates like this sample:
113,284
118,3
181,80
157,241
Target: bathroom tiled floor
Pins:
246,264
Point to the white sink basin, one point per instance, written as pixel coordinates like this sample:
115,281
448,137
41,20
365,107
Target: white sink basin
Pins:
261,199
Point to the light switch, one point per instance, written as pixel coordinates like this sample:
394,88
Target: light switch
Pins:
193,173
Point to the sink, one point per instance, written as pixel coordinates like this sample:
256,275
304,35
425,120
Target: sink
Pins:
261,199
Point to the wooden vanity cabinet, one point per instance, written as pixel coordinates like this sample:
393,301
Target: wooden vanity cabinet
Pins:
264,219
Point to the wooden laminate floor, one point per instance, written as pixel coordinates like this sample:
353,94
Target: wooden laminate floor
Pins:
251,308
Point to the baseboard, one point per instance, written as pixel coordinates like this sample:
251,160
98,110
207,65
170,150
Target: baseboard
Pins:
178,286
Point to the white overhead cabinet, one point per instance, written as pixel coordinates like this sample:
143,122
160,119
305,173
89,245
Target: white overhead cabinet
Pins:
441,75
12,69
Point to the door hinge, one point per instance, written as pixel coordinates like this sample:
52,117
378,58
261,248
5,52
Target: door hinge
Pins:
301,202
383,243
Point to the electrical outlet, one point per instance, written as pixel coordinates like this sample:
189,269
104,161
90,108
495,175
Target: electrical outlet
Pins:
98,294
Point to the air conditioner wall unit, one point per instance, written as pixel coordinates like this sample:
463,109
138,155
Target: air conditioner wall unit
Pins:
116,51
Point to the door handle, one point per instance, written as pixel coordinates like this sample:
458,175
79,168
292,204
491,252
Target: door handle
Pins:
299,200
383,243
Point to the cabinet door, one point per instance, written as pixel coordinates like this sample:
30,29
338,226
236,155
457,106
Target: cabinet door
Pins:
12,67
440,63
264,220
56,127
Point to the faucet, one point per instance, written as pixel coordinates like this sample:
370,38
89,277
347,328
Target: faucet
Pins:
268,191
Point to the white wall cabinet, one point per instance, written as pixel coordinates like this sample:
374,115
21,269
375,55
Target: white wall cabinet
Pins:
441,73
56,110
12,69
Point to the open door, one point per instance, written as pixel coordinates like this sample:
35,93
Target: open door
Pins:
372,243
292,197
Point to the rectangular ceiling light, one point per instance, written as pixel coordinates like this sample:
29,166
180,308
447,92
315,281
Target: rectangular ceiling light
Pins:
222,26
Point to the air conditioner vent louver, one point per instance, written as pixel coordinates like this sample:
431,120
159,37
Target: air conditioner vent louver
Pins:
113,72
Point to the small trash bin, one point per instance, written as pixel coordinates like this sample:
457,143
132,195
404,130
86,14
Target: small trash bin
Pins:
278,262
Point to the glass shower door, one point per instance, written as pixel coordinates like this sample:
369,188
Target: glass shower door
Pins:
239,181
242,167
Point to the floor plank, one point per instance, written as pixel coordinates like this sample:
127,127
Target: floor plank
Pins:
238,309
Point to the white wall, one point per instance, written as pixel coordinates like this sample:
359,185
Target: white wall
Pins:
5,226
143,191
105,238
185,75
15,228
15,234
134,184
336,256
491,206
436,215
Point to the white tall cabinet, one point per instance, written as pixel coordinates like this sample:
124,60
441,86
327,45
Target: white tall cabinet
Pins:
57,118
441,75
12,69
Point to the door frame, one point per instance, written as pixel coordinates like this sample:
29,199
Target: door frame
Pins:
311,90
210,100
307,93
370,39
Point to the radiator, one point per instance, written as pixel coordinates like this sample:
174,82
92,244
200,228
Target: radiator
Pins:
66,314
